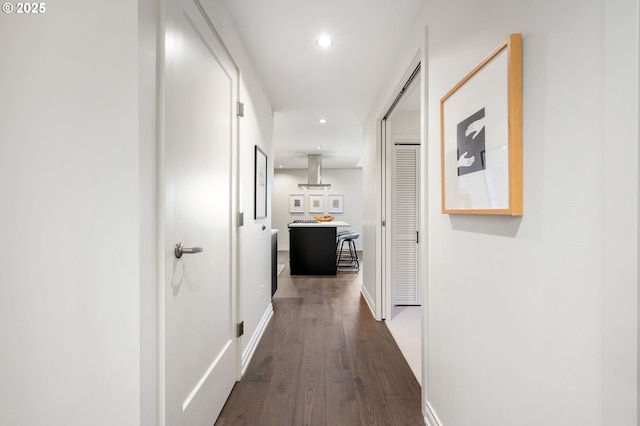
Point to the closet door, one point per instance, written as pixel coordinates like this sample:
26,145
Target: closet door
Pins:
405,238
198,344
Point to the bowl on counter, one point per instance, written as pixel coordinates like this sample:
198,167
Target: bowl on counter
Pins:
323,218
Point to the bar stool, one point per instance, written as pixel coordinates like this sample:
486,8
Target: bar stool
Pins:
348,261
340,238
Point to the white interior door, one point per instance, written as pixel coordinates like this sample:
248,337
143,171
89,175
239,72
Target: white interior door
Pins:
405,224
198,347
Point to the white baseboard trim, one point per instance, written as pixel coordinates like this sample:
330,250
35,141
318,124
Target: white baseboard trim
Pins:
368,299
255,339
430,417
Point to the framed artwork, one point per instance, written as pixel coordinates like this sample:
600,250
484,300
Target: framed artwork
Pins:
316,203
481,136
336,203
260,188
296,203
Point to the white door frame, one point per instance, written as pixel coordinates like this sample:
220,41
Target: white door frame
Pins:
383,270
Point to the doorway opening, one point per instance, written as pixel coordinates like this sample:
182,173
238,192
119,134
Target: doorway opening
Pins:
401,292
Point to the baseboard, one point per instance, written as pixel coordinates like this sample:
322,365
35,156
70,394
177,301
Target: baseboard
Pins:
430,417
255,339
368,299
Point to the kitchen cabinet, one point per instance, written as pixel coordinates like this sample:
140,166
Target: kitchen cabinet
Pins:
312,247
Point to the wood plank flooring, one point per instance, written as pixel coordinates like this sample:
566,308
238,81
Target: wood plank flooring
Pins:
324,360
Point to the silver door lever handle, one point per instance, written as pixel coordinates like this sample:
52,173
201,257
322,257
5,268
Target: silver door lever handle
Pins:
180,250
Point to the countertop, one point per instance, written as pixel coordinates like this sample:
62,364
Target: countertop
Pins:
332,224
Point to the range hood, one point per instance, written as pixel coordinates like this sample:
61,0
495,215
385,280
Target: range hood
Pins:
315,174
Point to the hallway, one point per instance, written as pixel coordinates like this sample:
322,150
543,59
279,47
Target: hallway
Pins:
324,360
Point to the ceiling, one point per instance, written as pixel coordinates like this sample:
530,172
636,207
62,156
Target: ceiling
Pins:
305,82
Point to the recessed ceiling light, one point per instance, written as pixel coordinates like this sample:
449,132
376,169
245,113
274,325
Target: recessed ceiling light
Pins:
322,121
318,147
324,41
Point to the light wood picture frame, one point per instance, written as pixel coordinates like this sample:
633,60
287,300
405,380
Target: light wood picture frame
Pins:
481,136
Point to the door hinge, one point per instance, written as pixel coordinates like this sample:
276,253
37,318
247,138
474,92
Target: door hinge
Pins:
240,329
384,223
240,109
240,219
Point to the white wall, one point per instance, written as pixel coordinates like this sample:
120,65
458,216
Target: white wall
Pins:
621,330
371,213
256,128
69,182
405,123
533,320
147,21
347,182
77,169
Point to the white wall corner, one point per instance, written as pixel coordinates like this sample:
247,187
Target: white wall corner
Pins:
370,301
255,339
621,332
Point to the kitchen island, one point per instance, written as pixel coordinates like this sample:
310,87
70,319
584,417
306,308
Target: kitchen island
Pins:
312,247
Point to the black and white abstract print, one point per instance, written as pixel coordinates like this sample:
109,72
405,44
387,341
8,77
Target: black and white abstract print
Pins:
471,143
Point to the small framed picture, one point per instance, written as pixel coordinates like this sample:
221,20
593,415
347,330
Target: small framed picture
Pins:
316,203
336,203
260,184
296,203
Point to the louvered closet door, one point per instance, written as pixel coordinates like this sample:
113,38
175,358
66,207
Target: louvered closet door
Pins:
404,268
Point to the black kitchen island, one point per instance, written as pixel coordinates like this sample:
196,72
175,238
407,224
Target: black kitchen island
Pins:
312,247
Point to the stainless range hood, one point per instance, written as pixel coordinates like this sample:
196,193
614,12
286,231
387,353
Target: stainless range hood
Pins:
315,174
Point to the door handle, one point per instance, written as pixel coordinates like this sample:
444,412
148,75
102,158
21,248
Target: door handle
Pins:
180,250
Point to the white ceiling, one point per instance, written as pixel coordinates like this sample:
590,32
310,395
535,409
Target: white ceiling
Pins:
305,82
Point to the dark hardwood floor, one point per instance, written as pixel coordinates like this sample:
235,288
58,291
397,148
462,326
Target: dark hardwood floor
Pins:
324,360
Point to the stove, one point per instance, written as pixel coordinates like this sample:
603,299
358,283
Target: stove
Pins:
305,221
